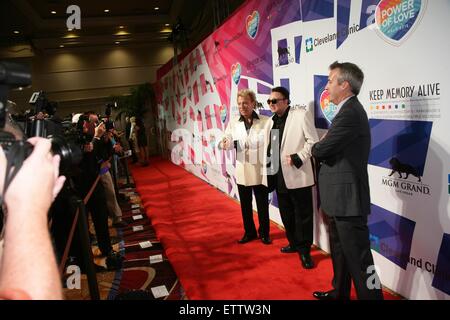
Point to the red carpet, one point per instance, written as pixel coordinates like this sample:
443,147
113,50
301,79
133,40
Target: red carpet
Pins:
198,226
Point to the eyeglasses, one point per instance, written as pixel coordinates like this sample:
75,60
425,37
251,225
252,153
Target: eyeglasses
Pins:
274,101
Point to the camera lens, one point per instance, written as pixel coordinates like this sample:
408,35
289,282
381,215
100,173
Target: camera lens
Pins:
69,152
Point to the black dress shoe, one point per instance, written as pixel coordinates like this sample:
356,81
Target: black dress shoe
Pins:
324,295
307,261
266,240
288,249
246,239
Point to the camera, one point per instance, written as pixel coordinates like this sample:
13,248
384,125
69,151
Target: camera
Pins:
64,142
14,75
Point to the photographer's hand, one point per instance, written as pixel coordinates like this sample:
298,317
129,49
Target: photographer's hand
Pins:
38,180
28,263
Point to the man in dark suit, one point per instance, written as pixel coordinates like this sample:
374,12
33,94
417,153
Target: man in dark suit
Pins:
344,187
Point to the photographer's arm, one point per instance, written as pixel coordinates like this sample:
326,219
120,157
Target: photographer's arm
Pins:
28,265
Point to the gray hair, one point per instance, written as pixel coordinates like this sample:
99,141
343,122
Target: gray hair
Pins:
351,73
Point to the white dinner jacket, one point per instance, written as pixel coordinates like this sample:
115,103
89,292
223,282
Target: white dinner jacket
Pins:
299,136
250,160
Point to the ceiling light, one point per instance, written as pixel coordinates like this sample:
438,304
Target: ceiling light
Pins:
61,46
156,8
53,12
106,10
117,42
71,36
121,33
167,24
121,27
16,32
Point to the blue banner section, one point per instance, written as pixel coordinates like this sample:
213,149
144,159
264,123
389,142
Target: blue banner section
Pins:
317,9
285,83
391,235
343,19
283,52
441,278
298,48
367,13
400,143
274,199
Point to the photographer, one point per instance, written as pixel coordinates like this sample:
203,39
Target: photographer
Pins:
110,147
90,168
28,267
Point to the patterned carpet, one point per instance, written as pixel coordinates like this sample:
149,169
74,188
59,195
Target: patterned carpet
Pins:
146,274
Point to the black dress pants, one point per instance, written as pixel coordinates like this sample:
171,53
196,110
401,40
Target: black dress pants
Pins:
296,212
262,204
352,259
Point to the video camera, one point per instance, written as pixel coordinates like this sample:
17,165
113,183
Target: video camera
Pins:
14,75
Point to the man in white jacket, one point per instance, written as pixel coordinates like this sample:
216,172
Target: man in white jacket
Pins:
245,134
289,137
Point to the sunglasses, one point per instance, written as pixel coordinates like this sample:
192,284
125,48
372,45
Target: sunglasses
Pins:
274,101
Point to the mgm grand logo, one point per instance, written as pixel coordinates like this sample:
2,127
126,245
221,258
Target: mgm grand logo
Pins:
405,179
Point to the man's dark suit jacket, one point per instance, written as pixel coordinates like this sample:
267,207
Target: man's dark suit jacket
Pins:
343,153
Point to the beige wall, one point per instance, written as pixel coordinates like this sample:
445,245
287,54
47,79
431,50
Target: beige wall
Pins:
82,80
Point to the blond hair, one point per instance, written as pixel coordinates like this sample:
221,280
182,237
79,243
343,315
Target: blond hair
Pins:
244,93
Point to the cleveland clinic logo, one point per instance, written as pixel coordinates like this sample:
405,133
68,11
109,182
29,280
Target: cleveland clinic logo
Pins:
396,20
311,42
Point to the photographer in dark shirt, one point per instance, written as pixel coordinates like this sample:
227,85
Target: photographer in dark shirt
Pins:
93,149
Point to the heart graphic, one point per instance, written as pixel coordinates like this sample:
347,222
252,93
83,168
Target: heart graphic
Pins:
329,109
252,23
223,113
396,19
236,72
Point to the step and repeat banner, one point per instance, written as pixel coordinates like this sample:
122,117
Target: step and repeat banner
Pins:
402,46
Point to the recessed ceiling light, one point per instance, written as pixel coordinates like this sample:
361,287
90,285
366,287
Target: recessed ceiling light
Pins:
117,42
121,33
61,46
16,32
106,10
53,12
167,24
71,35
156,8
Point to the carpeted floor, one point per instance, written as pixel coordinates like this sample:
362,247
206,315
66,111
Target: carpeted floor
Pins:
199,225
146,273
